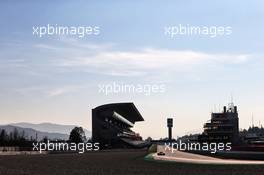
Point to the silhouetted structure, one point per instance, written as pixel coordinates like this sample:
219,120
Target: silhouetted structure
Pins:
223,126
112,123
169,125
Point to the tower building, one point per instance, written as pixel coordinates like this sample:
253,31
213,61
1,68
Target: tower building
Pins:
222,127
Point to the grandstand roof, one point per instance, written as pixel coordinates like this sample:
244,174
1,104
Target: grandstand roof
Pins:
127,110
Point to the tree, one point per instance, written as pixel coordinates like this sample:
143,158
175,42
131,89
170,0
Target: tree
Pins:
15,134
3,137
45,139
149,139
77,135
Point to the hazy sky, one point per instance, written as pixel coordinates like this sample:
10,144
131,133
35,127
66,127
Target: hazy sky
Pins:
55,78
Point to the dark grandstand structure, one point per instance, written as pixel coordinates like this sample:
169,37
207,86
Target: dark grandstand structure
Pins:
112,123
223,126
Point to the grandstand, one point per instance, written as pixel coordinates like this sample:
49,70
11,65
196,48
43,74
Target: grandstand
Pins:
112,123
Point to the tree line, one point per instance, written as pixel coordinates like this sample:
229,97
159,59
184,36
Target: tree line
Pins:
14,138
19,139
259,131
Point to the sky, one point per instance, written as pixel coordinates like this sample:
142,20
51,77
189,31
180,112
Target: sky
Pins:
56,78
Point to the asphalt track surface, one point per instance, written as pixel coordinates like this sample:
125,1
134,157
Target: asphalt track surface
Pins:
184,157
124,162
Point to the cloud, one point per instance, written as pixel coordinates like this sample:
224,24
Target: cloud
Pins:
46,46
74,44
72,52
73,55
133,63
64,90
106,58
58,92
50,91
